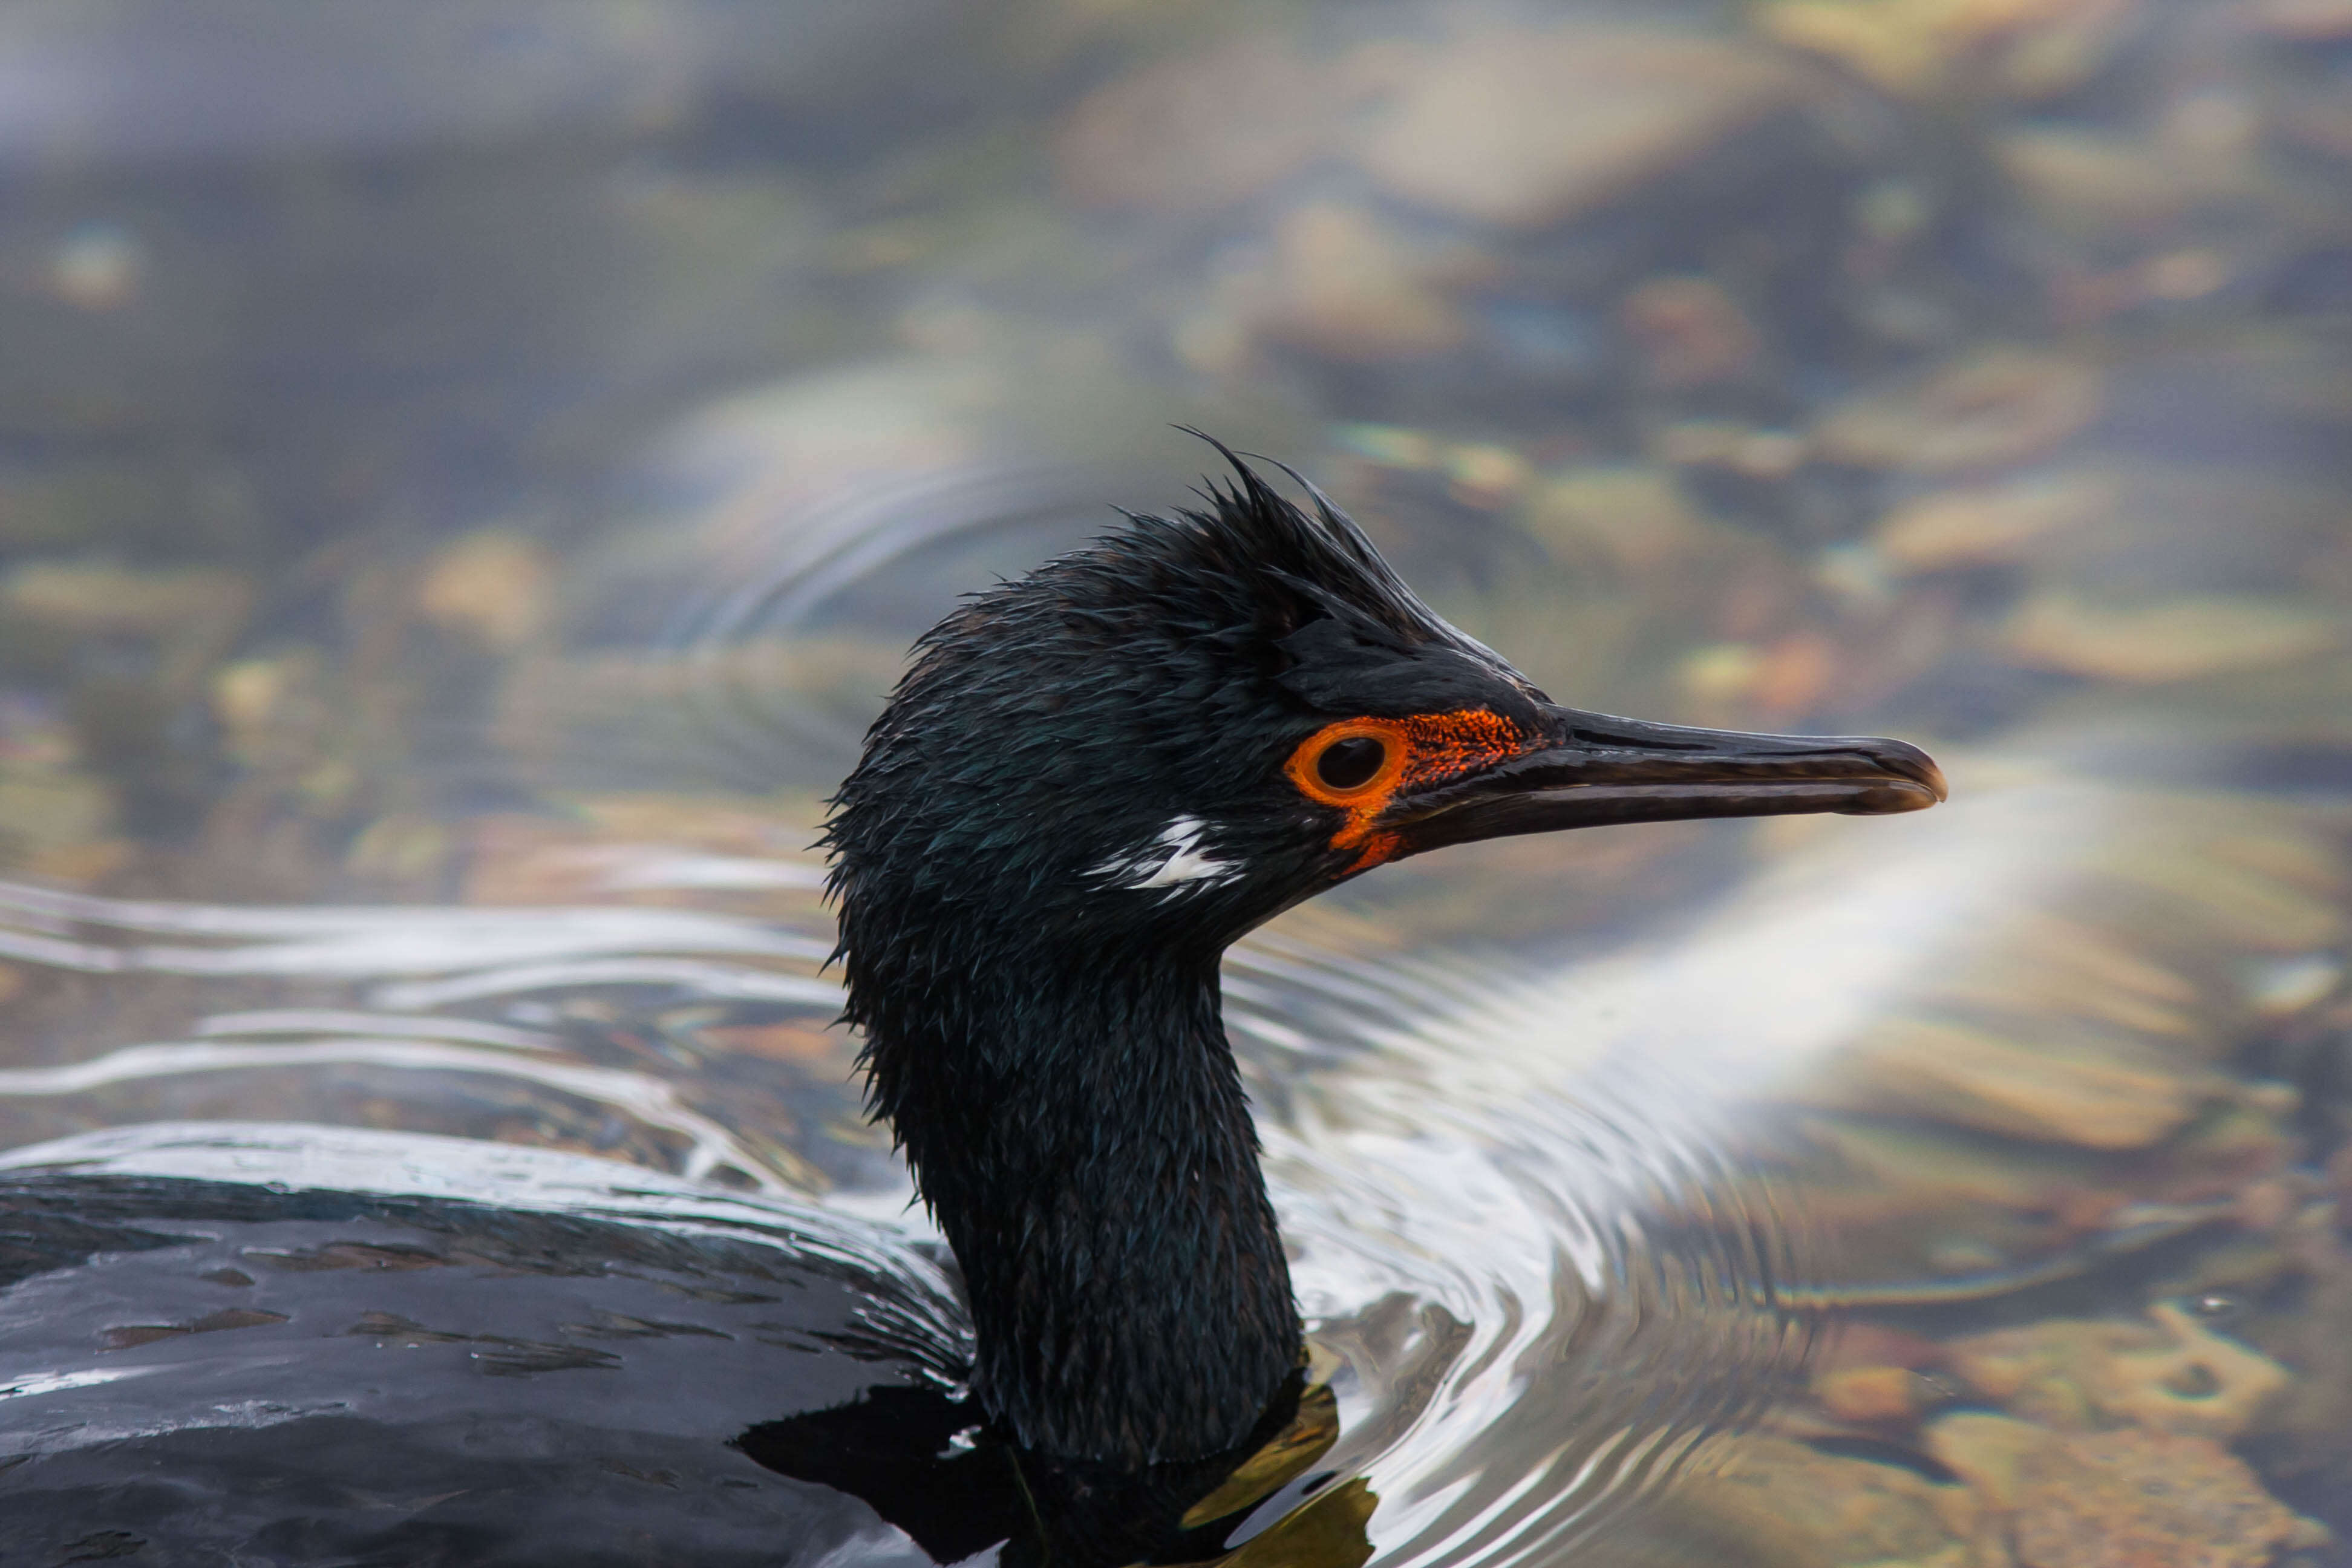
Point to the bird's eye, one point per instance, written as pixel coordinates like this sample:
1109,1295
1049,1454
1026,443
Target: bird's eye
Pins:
1356,766
1350,762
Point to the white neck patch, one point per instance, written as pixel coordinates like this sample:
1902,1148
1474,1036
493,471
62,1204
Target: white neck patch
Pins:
1172,860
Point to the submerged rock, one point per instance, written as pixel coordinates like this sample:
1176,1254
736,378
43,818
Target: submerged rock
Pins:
189,614
1525,128
1874,1394
496,585
2305,1441
1630,517
2165,639
1201,129
1931,49
1992,406
2099,1097
1342,283
2086,182
1989,524
2169,1374
1770,1502
50,818
2116,1500
1692,332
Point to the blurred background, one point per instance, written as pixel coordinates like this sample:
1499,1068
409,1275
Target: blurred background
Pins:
469,470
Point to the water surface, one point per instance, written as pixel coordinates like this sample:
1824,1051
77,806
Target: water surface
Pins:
468,473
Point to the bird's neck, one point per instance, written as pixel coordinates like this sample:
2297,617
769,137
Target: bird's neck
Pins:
1077,1125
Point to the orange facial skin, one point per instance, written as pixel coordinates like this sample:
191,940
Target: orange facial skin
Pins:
1424,748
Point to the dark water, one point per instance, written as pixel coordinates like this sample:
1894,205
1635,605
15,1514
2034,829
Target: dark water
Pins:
468,472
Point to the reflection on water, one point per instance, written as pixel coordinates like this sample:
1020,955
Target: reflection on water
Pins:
461,497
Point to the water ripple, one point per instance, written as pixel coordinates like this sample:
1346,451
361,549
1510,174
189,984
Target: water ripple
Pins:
1534,1291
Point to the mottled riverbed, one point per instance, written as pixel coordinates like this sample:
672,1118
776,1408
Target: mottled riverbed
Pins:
469,469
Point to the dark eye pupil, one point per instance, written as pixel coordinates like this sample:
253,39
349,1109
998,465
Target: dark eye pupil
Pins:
1346,764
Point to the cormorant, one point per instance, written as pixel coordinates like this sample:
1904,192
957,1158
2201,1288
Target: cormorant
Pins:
1090,781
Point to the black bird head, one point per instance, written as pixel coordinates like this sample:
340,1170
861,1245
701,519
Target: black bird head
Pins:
1192,724
1091,781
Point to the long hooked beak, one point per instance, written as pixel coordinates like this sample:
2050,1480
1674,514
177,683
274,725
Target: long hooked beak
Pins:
1595,768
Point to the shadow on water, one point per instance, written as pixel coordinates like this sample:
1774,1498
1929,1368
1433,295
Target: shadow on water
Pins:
560,1398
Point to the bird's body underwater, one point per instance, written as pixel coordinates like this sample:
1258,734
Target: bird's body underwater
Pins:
1090,782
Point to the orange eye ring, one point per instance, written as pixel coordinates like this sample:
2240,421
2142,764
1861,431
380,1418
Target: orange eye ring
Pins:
1416,750
1339,753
